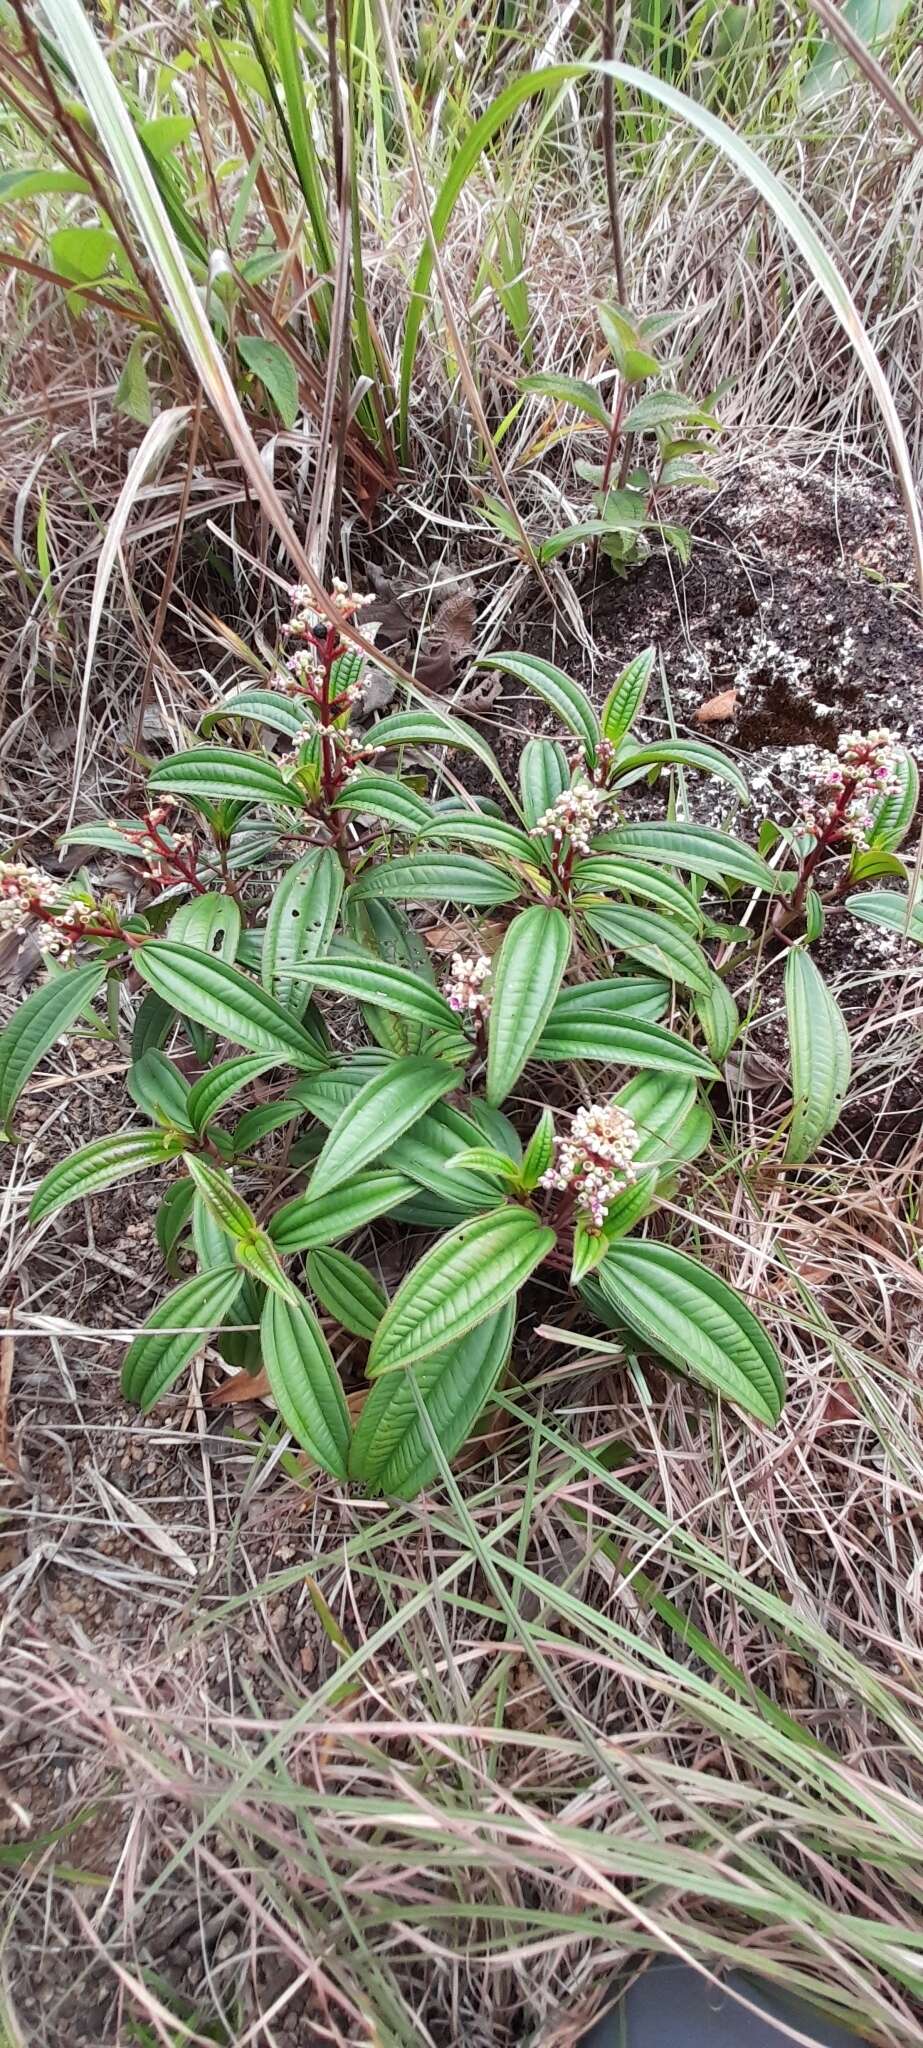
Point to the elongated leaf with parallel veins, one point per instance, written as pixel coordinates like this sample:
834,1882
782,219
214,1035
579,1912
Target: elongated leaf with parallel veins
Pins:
385,796
691,1317
223,999
386,986
699,848
267,707
631,878
251,1247
305,1383
683,754
719,1017
391,1452
527,975
626,697
893,815
889,907
346,1290
100,1165
611,998
471,829
211,923
39,1021
446,878
544,774
432,728
309,1220
647,937
460,1280
570,703
300,924
160,1091
220,773
208,1096
820,1054
178,1328
387,1105
628,1210
425,1154
383,931
627,1042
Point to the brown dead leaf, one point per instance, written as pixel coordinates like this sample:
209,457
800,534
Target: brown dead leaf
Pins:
244,1386
840,1405
717,708
452,625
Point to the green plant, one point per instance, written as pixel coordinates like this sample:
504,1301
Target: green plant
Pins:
626,495
276,919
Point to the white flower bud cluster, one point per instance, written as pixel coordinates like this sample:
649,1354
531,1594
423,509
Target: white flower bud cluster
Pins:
306,621
575,815
29,896
464,988
598,1158
853,781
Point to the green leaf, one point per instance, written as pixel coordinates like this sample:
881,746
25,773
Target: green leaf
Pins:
267,707
830,68
460,1280
425,1154
133,392
630,878
573,707
820,1055
569,391
627,696
699,848
661,409
261,1120
310,1220
544,774
217,773
610,1000
432,728
99,1165
453,878
160,1091
383,1108
211,924
34,184
300,924
893,815
391,1452
719,1017
484,1159
683,754
215,1089
178,1328
879,906
346,1290
472,828
39,1021
273,367
224,1000
539,1152
252,1247
82,254
624,343
305,1383
660,1105
628,1210
388,987
172,1218
645,936
870,863
382,930
165,134
386,797
687,1315
527,974
213,1246
626,1043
